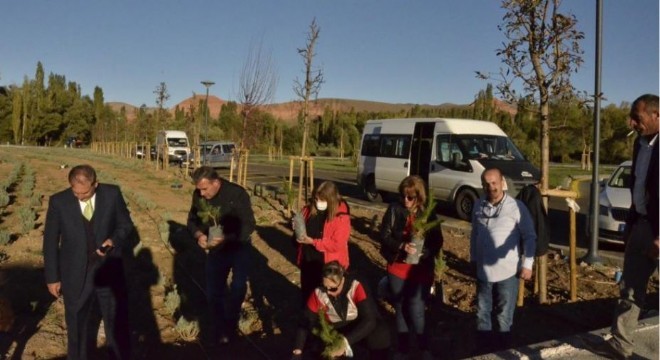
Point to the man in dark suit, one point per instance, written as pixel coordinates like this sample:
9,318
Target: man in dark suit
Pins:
86,227
641,256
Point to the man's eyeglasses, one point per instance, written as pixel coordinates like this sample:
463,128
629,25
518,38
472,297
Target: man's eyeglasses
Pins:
489,212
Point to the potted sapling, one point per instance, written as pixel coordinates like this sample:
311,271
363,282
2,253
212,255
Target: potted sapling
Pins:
333,340
422,225
210,215
299,228
439,269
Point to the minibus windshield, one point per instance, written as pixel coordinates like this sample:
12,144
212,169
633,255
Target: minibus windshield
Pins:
479,147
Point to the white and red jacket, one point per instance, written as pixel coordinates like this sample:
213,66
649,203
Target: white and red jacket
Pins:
352,312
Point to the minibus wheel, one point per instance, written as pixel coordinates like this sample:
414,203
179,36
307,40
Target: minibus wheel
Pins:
370,190
464,202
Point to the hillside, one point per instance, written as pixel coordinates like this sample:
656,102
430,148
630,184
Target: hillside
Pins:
288,111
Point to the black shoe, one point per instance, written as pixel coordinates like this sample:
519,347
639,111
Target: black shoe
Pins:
605,348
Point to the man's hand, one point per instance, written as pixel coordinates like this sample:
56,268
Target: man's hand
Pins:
202,241
526,274
54,289
215,242
107,244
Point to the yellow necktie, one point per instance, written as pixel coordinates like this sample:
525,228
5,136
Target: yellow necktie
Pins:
89,210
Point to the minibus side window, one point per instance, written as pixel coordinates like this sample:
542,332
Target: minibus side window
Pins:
449,154
370,145
394,146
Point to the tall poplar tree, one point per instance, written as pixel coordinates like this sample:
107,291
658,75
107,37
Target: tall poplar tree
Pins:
98,114
17,108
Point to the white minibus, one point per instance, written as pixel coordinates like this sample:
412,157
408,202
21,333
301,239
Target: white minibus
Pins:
175,142
449,154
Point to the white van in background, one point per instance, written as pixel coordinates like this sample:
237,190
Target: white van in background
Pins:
449,154
175,142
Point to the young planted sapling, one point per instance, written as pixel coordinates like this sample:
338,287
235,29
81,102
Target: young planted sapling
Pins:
210,215
423,223
332,339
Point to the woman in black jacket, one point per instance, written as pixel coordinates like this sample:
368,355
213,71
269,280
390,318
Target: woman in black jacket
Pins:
409,281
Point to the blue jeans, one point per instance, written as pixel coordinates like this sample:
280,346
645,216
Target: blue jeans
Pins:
226,310
409,300
503,294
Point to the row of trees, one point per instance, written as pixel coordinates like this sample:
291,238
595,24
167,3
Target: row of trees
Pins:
39,114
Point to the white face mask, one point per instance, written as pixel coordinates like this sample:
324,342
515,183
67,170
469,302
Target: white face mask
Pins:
321,205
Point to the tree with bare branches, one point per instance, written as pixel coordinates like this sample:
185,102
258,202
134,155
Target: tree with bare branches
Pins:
311,86
542,51
257,84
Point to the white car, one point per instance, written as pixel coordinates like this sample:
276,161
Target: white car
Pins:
615,200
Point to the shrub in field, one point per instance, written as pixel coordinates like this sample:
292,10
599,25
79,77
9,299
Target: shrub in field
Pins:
5,237
27,217
26,189
172,301
4,199
187,330
35,201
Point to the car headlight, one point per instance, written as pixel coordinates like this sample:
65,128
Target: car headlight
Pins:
603,210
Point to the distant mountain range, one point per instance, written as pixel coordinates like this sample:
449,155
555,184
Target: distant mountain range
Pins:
288,111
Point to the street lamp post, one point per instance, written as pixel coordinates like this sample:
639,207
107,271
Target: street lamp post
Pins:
208,84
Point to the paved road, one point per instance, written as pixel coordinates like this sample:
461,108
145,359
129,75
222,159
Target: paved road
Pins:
273,177
645,338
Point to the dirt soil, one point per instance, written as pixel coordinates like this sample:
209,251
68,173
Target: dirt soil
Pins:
166,276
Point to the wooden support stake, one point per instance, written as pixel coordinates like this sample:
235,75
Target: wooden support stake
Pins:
310,163
572,245
288,205
542,277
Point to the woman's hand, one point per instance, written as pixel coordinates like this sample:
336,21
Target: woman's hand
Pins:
341,350
410,248
306,240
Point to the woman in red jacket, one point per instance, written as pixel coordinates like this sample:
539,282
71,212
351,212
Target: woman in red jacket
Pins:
328,227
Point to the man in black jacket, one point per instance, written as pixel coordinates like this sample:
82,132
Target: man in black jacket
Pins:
641,256
228,251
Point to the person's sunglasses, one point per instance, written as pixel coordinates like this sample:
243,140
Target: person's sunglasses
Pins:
332,289
410,198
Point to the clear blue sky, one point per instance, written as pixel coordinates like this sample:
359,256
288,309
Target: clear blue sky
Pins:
399,51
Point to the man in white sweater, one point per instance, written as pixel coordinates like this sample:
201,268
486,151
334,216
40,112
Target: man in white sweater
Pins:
502,246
